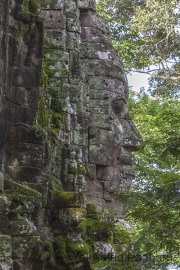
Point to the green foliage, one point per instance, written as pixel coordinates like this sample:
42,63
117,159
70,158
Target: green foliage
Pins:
99,224
105,226
24,183
154,204
126,40
145,33
115,265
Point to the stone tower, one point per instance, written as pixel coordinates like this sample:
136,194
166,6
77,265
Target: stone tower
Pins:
66,136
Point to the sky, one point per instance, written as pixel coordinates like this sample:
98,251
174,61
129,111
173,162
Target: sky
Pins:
138,80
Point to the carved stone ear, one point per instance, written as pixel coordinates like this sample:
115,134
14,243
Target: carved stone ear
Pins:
118,105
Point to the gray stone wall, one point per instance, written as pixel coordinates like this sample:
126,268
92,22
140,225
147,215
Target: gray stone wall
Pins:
66,135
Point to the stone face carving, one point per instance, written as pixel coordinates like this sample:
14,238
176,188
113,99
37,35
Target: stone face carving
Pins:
65,140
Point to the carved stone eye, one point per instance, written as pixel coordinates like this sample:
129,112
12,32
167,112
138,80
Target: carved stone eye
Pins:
118,105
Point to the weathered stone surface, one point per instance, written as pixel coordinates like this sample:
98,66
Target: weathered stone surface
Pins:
5,246
65,133
55,4
1,182
54,19
86,4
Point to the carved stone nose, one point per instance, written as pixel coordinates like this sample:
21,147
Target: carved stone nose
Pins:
118,105
131,136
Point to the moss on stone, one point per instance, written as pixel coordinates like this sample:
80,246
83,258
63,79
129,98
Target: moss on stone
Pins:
44,256
121,236
111,239
48,252
72,169
63,199
33,5
60,248
80,167
77,213
68,250
5,246
42,121
77,251
92,212
12,186
53,44
57,118
53,184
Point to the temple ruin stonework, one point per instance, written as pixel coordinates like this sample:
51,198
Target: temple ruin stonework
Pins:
66,136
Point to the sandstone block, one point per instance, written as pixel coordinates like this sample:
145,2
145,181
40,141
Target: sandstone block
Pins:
56,4
55,39
86,4
91,171
126,157
70,9
97,156
73,25
54,19
73,40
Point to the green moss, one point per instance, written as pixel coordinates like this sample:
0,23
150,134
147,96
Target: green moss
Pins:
44,256
29,8
44,75
23,195
49,119
111,239
57,118
48,253
63,198
54,184
60,247
68,250
42,122
81,168
72,169
77,251
33,5
92,210
21,189
50,72
55,133
121,236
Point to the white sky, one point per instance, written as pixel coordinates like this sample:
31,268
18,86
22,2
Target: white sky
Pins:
138,80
